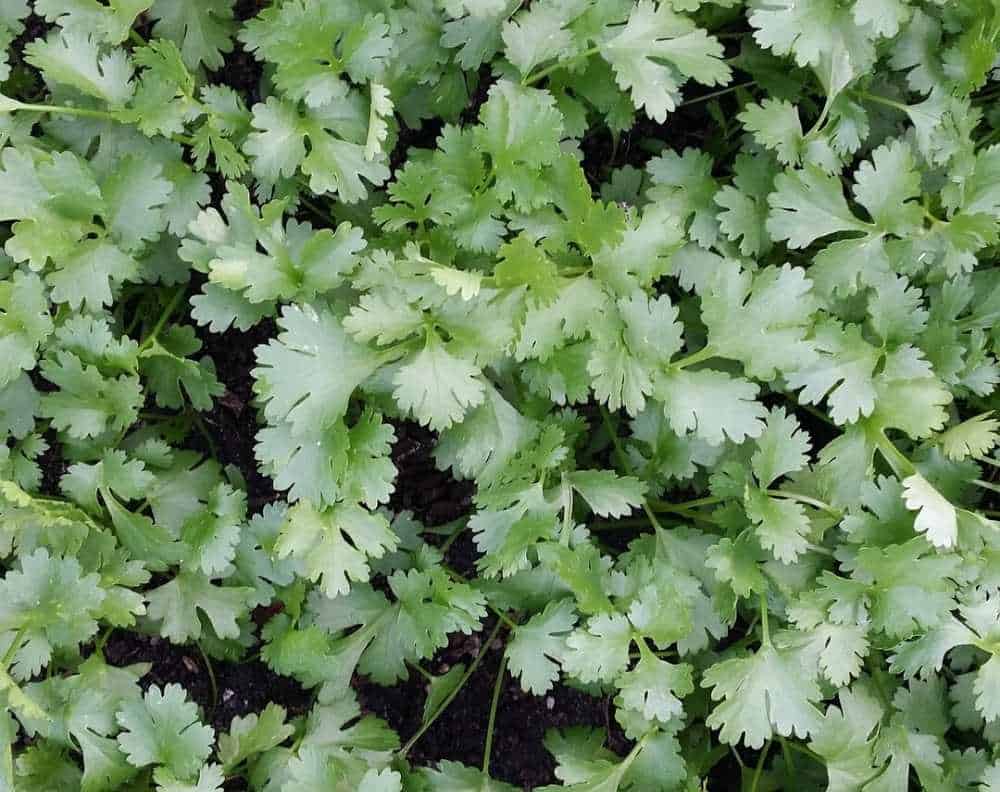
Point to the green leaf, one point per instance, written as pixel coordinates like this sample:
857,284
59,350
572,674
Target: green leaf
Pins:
654,34
806,205
539,645
201,29
781,449
782,525
608,494
334,546
936,517
455,777
73,58
210,779
307,375
974,437
437,387
712,404
760,695
334,161
164,729
172,374
86,403
176,606
775,125
24,323
777,302
598,652
439,688
253,734
48,604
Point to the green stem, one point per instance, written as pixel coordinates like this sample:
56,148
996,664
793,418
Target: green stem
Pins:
451,696
491,723
815,413
496,611
537,77
705,353
211,674
451,539
14,646
760,766
801,749
807,500
786,752
566,494
764,626
171,306
611,525
716,94
422,671
900,465
817,127
84,112
665,506
882,100
203,430
99,646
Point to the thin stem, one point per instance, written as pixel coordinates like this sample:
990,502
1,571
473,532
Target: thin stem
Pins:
760,766
491,723
883,100
566,494
764,626
171,306
716,94
708,500
900,465
84,112
99,646
451,539
801,749
451,696
705,353
496,611
817,127
806,499
786,752
815,413
12,649
611,525
537,77
203,430
422,671
211,674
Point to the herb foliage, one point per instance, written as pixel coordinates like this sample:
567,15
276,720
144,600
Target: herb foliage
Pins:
729,408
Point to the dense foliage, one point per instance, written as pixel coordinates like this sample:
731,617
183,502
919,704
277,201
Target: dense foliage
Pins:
702,296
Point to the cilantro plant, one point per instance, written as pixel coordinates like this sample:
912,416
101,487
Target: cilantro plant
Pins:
701,297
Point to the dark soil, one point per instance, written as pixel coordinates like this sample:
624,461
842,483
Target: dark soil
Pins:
232,422
518,755
242,687
434,496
